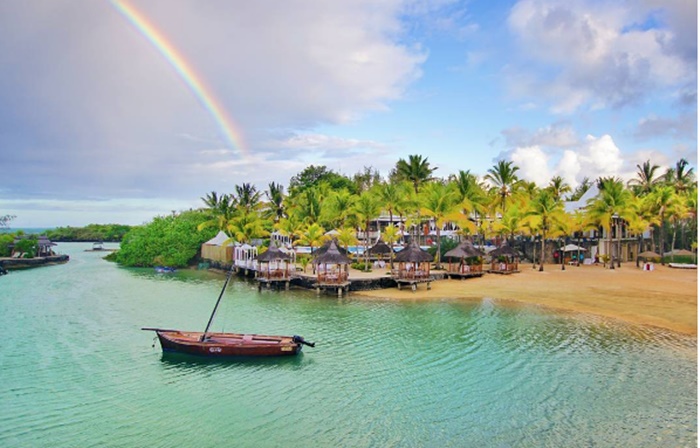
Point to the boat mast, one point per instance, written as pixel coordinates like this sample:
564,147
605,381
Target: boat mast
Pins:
221,294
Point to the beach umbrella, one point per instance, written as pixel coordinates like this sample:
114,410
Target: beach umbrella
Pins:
413,254
464,250
332,255
649,254
572,248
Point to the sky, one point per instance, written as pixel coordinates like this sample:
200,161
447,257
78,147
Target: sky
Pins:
120,111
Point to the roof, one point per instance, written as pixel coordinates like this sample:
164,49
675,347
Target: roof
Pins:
380,248
464,250
219,240
273,253
321,250
504,250
572,206
332,256
413,254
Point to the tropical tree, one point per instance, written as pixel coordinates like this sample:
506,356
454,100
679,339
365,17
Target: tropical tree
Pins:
558,187
222,209
367,208
346,237
646,179
313,235
275,197
393,197
681,176
246,226
611,207
641,220
416,170
547,211
503,178
664,201
582,188
391,235
439,202
338,208
248,197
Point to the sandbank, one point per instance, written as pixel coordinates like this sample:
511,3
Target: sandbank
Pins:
664,297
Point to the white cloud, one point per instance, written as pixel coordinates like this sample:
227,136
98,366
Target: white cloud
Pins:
598,54
533,164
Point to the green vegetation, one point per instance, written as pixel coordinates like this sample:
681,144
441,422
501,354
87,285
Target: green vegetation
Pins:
91,232
167,240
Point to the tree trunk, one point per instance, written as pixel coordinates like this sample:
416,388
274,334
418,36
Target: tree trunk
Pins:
673,242
437,233
542,254
534,253
661,240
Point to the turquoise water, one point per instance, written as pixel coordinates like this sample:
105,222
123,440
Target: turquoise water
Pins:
76,371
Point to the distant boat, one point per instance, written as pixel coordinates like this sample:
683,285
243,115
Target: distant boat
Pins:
164,269
227,344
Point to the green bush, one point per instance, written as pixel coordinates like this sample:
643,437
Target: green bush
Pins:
28,246
167,240
362,266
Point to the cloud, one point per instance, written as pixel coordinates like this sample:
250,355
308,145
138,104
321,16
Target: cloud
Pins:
683,126
596,55
92,109
533,164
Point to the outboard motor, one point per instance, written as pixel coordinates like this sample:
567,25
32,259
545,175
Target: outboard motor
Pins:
300,340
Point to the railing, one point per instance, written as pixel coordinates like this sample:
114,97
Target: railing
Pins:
464,269
504,267
410,274
332,277
276,274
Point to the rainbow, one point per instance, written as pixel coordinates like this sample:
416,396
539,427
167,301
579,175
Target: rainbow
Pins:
185,70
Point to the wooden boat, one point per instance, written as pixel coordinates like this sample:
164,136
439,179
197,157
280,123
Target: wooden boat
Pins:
227,344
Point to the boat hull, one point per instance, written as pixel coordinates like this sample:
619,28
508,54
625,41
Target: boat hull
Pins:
218,345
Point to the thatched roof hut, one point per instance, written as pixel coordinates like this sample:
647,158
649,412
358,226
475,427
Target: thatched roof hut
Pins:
464,250
324,248
273,253
413,254
332,254
510,264
332,265
380,248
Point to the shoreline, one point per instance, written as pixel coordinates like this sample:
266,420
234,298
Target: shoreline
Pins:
664,298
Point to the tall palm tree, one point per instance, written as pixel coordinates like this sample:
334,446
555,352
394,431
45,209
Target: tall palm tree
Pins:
640,221
471,196
558,187
391,235
367,208
347,237
681,177
290,226
547,211
416,170
646,178
313,235
247,226
223,209
611,207
503,178
393,197
439,202
248,196
337,208
663,201
275,196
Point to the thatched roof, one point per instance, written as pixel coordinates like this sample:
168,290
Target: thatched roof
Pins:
682,252
273,253
504,250
649,254
322,250
332,255
380,248
412,254
464,250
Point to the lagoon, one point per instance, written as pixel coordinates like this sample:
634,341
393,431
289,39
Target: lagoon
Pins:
76,370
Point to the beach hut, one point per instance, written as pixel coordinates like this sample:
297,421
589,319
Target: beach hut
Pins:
469,262
413,266
274,266
504,260
379,251
332,268
573,252
219,248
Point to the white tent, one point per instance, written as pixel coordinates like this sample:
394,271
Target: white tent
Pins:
572,248
219,240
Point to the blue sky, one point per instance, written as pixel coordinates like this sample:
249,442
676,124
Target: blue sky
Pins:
97,127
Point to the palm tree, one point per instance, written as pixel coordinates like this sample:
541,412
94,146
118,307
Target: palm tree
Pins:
470,196
347,237
580,223
392,197
248,196
275,196
313,235
391,235
367,208
337,208
416,170
223,209
663,201
563,227
680,177
611,207
290,226
439,202
646,178
547,210
247,226
503,177
640,221
558,187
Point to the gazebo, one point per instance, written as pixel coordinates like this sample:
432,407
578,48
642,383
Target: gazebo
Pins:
574,252
413,266
380,249
470,262
504,260
274,266
332,268
244,256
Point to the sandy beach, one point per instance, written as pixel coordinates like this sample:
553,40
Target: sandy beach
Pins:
664,297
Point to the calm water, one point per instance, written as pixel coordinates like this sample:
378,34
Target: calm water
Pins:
76,371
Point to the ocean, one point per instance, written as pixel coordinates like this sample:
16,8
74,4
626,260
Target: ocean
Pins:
77,371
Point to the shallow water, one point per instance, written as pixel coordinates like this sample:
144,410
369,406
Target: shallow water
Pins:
76,370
